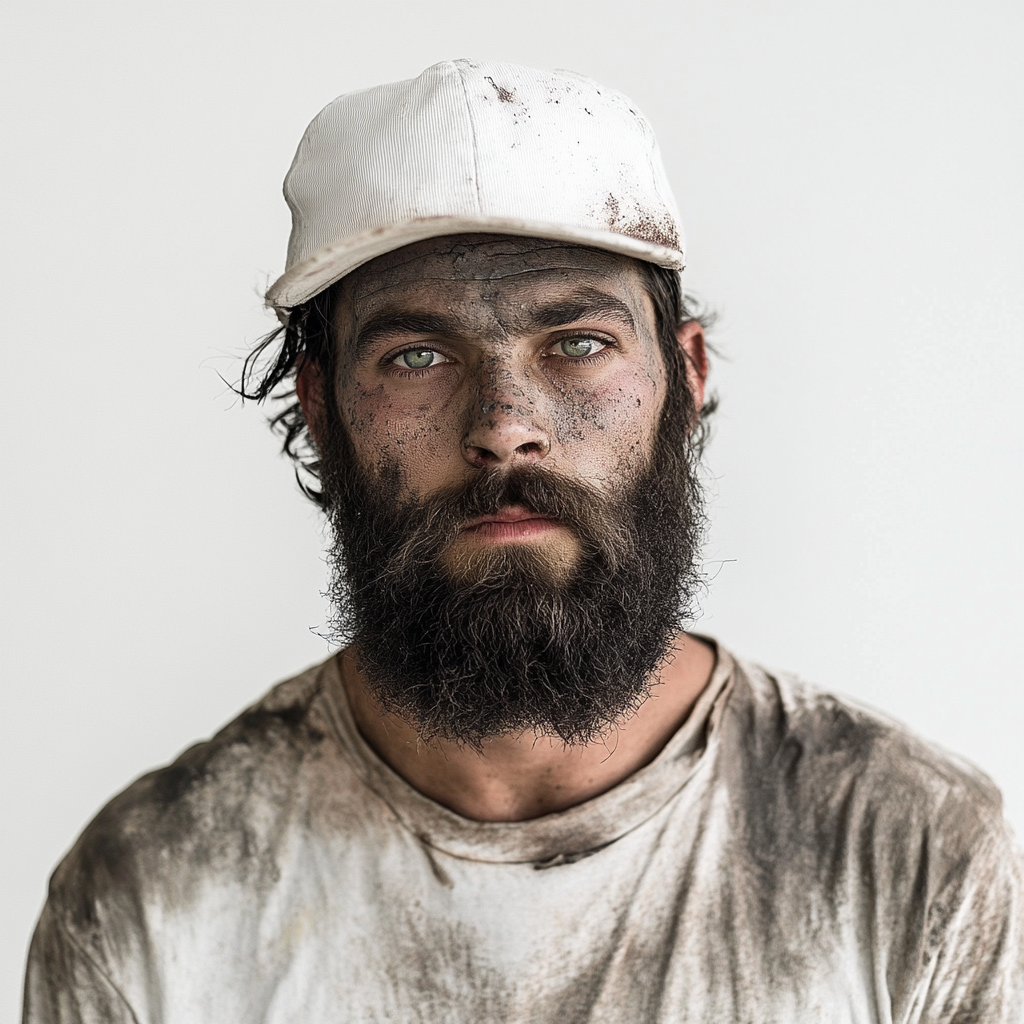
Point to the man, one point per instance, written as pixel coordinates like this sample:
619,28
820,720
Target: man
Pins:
520,792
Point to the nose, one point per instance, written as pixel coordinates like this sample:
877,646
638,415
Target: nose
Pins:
504,427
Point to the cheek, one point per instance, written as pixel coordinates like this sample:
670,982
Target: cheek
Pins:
386,430
610,425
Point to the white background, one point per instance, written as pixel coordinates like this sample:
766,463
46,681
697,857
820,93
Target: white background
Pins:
851,180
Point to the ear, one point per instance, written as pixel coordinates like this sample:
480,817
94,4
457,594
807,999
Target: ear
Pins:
691,340
309,387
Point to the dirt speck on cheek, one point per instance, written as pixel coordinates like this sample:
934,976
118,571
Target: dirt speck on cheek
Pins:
577,416
361,410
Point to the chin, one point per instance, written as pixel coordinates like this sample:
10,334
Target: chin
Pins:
551,561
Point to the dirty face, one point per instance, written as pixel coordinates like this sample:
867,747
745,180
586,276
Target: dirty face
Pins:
515,521
470,353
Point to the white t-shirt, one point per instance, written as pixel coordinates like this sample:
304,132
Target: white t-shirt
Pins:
789,857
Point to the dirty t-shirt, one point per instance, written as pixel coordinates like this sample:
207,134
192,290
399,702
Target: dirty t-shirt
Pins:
788,857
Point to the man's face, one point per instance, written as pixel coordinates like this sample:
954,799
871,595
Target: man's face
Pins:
479,352
510,486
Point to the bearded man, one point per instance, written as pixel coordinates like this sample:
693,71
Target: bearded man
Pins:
520,791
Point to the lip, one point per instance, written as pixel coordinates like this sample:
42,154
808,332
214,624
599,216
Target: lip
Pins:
510,524
513,514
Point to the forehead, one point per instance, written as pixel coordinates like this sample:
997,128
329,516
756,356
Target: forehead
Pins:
496,271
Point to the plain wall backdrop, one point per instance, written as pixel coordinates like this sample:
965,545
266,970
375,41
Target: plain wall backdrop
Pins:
850,177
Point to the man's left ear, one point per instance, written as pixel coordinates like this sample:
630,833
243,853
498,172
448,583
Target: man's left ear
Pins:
691,340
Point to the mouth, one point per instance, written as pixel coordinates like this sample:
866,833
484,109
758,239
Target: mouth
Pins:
513,524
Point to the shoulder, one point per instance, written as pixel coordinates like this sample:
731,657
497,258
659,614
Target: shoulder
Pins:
837,812
792,721
845,826
838,773
216,808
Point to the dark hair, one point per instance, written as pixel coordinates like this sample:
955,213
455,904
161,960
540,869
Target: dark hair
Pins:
269,369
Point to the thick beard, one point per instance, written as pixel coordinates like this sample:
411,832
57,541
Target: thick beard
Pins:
513,642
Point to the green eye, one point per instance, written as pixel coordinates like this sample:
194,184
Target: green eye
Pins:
577,348
418,358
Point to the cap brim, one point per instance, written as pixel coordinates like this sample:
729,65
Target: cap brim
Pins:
333,262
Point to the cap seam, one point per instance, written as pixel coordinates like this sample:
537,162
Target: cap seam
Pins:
472,132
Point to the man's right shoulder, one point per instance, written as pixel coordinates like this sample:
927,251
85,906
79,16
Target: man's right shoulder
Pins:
218,808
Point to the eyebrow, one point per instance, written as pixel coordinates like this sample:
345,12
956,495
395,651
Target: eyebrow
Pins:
585,304
388,322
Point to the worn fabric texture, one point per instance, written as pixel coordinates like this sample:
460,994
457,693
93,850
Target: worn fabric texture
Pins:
788,857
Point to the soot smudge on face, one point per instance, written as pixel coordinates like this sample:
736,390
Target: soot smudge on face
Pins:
438,637
490,284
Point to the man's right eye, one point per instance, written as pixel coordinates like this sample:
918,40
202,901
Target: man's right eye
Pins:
418,358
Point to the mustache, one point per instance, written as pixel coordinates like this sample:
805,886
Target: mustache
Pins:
600,520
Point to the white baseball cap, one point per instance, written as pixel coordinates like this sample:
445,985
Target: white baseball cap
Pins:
473,147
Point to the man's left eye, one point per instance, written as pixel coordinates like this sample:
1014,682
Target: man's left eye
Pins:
577,348
418,358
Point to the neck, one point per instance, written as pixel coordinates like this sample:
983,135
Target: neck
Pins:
514,778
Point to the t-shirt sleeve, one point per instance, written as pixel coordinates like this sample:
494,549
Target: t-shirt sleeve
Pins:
973,966
65,985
